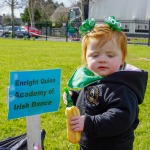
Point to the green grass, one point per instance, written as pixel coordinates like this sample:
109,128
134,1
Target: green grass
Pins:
135,40
16,55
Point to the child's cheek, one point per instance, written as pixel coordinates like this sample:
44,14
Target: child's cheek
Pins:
115,67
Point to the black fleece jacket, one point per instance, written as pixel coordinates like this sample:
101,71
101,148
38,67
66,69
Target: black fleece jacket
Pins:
111,110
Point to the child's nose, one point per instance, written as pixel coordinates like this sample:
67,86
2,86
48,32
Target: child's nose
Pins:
101,59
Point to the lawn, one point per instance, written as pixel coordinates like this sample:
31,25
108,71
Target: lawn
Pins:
17,55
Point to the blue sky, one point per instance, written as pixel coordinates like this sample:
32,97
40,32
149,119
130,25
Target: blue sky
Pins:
67,3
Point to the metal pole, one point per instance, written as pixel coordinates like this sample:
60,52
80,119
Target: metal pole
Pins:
12,17
149,34
12,29
46,30
67,31
82,9
28,30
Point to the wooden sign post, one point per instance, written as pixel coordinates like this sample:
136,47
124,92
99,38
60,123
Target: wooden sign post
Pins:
33,131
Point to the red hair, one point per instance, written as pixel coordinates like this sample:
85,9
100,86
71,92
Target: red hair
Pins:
102,33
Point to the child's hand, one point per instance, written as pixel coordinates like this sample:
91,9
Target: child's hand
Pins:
65,97
77,123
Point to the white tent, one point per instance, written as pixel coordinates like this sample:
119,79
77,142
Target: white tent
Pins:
121,9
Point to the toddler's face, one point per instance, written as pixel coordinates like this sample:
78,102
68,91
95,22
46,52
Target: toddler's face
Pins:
104,60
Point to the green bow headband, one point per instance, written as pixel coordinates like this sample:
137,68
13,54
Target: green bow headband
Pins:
89,24
113,23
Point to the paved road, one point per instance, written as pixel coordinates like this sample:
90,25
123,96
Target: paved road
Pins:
52,39
58,39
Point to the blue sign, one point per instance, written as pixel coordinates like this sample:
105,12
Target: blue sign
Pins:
33,92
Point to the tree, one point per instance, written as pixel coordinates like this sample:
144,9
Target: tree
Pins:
31,8
46,8
13,4
37,15
26,18
41,8
6,20
31,5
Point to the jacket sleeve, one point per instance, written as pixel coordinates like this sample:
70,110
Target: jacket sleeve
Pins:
120,113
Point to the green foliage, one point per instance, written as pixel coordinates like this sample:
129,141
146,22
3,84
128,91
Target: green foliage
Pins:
43,23
17,55
37,15
26,18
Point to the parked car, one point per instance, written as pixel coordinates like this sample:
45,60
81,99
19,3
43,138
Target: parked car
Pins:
8,30
21,32
1,31
32,30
